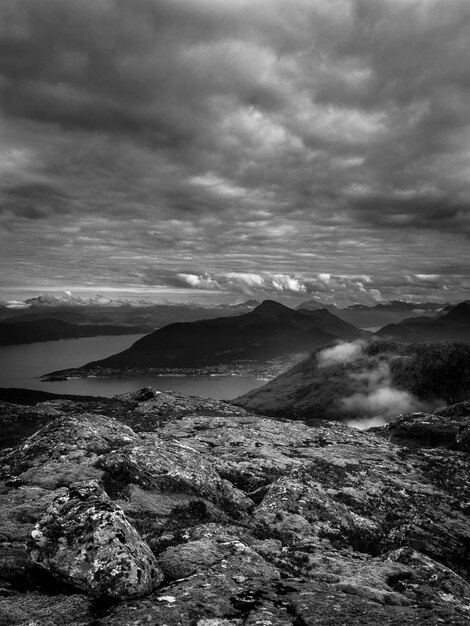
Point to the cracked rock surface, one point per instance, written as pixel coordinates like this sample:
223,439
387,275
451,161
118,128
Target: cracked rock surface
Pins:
151,510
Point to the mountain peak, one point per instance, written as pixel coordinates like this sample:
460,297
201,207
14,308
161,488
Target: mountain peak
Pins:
271,307
313,305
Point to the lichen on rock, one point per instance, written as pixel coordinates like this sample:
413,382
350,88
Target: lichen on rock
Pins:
85,540
233,519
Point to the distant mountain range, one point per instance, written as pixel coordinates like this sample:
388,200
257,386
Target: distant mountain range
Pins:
21,331
378,315
270,330
451,324
366,379
102,310
49,319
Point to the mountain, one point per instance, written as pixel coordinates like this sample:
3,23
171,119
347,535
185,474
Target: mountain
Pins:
366,379
332,324
270,330
245,306
151,316
451,325
122,512
49,329
372,317
314,305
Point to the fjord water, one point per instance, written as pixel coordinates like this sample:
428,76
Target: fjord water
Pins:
23,365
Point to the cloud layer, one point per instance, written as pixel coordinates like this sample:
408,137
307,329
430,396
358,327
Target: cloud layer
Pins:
236,145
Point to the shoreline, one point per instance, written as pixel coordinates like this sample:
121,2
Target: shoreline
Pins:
262,371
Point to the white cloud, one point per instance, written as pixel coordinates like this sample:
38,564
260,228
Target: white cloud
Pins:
281,282
329,288
250,280
199,282
376,399
218,185
343,353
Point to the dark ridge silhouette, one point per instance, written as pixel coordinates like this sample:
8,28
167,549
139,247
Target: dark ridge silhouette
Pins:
386,313
50,329
332,324
453,324
31,397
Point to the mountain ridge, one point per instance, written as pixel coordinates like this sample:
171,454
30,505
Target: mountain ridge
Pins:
269,331
379,314
451,324
52,329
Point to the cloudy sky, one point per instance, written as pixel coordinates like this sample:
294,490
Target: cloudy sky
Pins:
228,148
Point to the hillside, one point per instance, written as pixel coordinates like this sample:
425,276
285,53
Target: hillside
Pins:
16,332
325,320
269,331
366,379
162,509
453,324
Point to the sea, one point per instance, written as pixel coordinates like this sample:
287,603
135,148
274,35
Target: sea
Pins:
22,366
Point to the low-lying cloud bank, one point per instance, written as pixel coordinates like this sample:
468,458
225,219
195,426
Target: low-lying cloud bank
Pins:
377,400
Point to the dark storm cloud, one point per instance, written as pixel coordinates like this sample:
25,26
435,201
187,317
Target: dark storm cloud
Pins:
157,139
35,200
445,213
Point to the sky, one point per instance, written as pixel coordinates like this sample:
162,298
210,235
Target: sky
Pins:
209,149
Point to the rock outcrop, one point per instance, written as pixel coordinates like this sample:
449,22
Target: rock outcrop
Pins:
85,540
231,519
143,410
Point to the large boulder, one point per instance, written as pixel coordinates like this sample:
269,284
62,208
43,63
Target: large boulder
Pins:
85,540
428,430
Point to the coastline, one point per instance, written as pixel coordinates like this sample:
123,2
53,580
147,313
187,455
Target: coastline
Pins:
262,371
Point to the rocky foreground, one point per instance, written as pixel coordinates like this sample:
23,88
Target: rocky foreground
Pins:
155,508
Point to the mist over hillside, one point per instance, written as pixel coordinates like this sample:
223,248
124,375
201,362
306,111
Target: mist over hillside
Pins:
367,380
